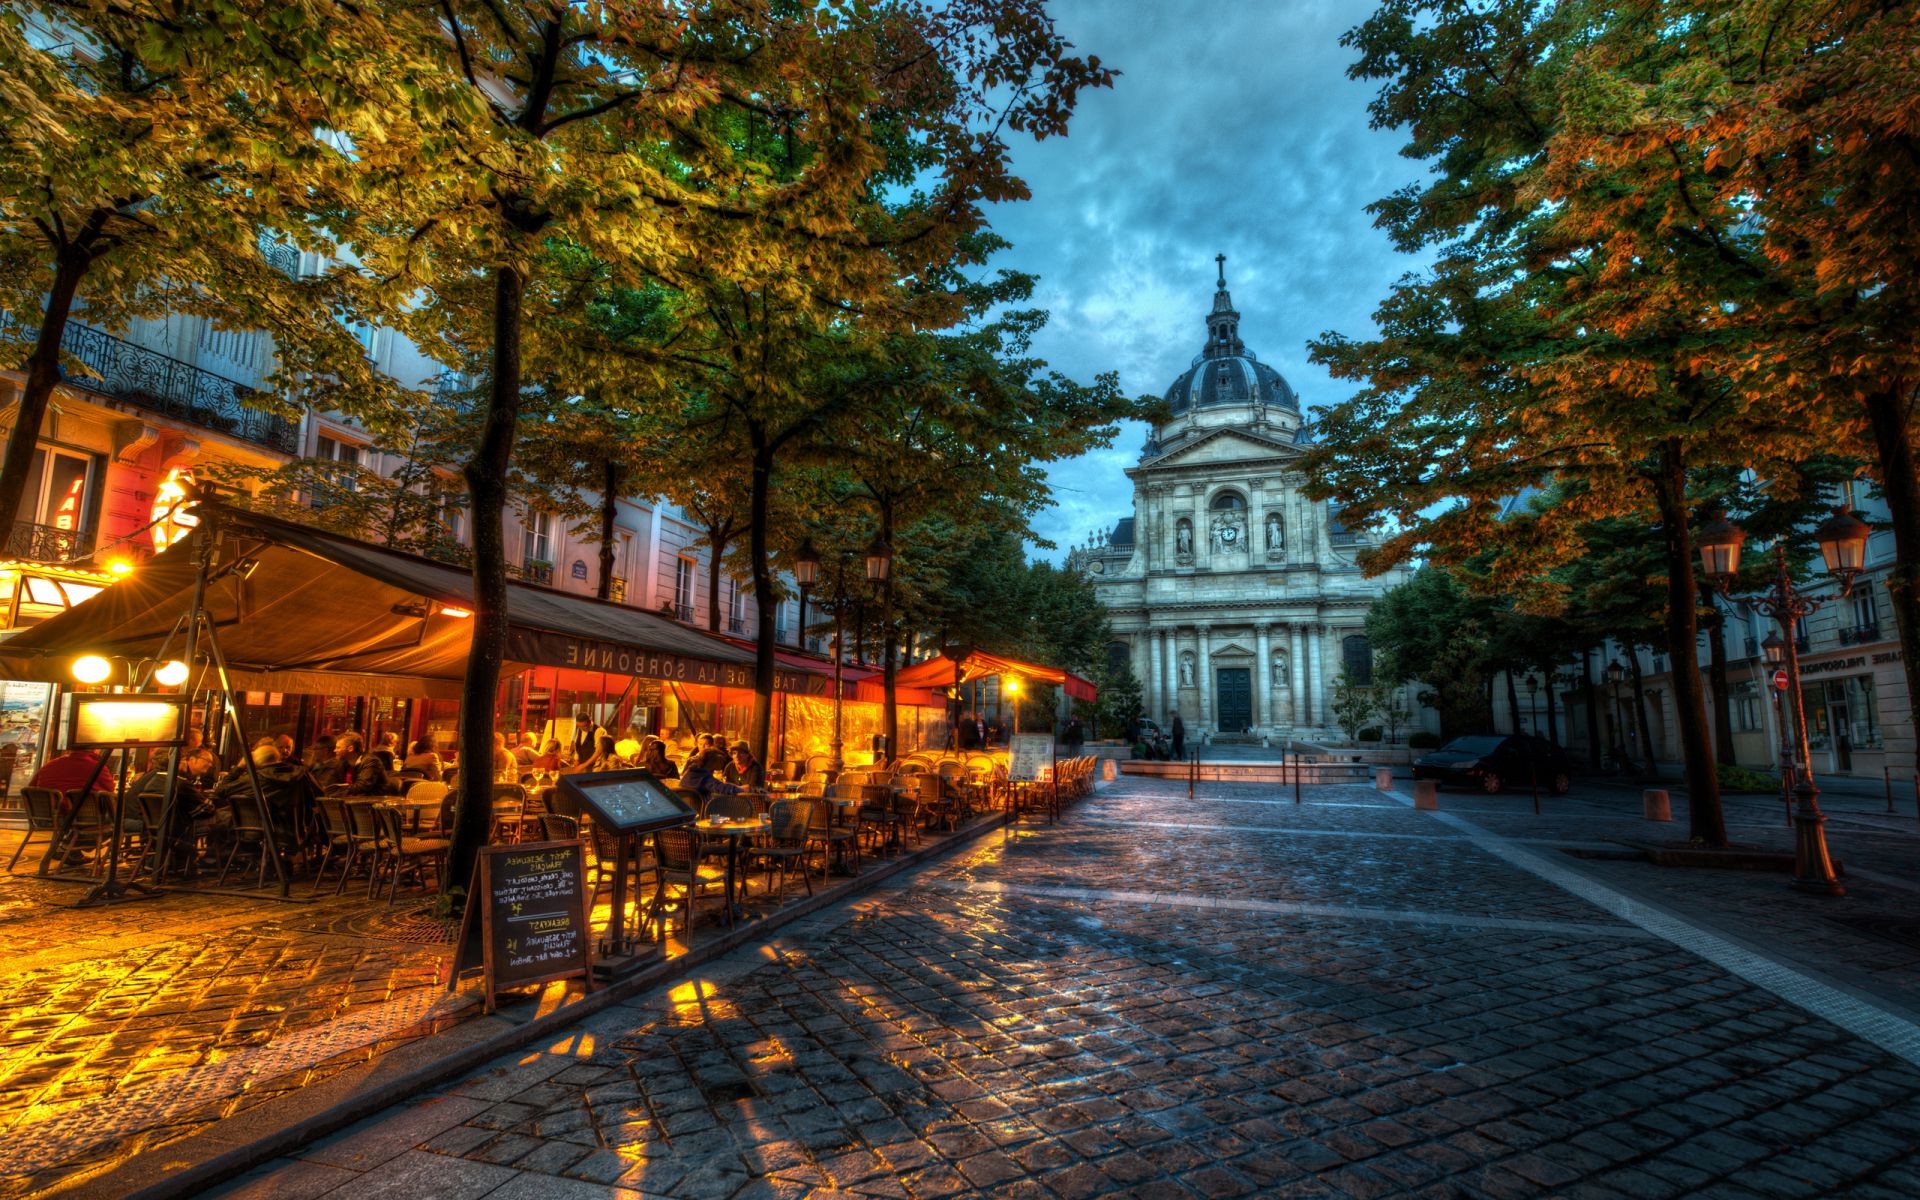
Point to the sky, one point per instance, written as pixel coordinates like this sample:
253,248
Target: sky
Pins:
1233,129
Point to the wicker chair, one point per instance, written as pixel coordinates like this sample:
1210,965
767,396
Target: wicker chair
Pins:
364,830
556,828
509,807
91,827
834,837
43,817
337,832
677,851
788,842
398,849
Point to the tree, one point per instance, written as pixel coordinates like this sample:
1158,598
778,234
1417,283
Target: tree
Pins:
1354,704
1432,631
141,173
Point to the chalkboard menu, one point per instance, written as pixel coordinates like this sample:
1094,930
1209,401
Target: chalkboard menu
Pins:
1031,754
628,801
527,917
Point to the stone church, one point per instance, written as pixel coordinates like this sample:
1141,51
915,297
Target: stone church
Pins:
1235,598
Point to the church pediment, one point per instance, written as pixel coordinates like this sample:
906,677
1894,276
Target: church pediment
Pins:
1223,446
1231,649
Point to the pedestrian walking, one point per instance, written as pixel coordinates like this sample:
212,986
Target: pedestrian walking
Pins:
1179,737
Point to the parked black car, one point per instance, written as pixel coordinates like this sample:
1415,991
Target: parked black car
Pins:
1493,761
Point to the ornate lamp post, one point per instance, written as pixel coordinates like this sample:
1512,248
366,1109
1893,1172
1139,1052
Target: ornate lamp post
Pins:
1616,678
1533,718
806,573
1775,652
1533,702
1843,546
879,569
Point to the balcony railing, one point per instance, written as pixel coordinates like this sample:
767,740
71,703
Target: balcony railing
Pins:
684,612
780,634
148,379
532,572
736,624
28,542
1860,634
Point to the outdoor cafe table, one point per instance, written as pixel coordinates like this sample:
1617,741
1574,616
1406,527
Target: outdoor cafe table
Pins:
736,832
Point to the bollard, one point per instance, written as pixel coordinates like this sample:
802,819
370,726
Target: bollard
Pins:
1655,804
1426,795
1383,779
1107,771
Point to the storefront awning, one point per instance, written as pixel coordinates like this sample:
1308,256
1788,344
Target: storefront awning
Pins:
960,665
298,609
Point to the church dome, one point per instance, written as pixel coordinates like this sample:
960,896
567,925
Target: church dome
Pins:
1225,373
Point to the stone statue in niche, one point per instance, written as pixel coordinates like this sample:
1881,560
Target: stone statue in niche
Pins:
1228,534
1276,536
1183,541
1186,668
1279,668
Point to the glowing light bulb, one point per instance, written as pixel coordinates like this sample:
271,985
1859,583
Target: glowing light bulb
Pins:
172,673
91,668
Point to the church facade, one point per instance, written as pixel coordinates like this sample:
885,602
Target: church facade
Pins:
1235,598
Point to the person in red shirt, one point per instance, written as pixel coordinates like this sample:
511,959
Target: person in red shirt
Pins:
68,773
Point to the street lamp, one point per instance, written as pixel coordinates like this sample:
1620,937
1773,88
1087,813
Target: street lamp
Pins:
879,561
1843,547
1012,688
1533,701
1533,716
1774,651
806,572
1616,678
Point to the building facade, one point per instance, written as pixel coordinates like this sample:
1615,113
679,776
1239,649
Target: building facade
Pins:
1235,599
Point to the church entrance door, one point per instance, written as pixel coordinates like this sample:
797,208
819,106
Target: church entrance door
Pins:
1235,692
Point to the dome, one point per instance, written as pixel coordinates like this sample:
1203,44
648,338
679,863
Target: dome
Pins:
1225,372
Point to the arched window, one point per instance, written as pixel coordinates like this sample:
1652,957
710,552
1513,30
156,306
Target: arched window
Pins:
1357,656
1229,500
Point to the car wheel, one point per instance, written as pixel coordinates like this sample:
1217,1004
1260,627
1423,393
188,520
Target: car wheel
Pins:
1490,783
1562,783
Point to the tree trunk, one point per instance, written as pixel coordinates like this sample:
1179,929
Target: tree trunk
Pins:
486,475
43,375
1642,731
1594,750
1717,678
609,504
1900,485
1513,702
890,656
759,498
713,584
1553,723
1705,820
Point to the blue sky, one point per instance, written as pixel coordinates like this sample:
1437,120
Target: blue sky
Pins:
1233,130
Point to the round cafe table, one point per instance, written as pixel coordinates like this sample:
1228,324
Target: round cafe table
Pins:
736,832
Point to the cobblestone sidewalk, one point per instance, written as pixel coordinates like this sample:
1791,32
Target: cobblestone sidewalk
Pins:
1224,997
125,1028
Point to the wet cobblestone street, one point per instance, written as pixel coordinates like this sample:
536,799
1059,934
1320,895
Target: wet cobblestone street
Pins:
1231,996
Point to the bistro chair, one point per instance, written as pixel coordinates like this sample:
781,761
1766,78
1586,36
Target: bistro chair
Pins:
336,833
556,828
249,829
400,850
787,842
363,828
834,837
509,806
677,851
424,793
92,824
43,809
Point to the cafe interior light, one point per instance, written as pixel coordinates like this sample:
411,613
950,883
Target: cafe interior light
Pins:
171,673
91,668
454,610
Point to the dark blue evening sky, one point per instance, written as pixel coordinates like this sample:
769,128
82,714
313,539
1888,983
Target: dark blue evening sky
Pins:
1232,130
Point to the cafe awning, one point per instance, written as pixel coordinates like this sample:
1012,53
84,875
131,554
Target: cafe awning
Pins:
301,610
960,665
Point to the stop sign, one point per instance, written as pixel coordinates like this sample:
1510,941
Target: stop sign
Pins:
1780,681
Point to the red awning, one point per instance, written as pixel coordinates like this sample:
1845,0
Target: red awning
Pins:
959,665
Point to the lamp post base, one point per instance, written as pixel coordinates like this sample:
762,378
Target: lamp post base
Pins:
1812,868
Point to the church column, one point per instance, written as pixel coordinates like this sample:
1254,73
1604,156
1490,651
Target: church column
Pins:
1169,680
1203,675
1316,678
1152,673
1262,680
1297,670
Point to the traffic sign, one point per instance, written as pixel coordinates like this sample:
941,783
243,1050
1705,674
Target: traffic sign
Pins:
1780,680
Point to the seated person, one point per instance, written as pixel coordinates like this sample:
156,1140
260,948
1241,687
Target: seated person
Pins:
506,768
387,747
528,749
653,757
326,764
743,771
70,772
703,775
549,758
424,759
287,789
604,758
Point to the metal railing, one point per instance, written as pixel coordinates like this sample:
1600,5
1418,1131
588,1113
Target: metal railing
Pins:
532,572
684,612
1860,634
736,624
136,375
47,544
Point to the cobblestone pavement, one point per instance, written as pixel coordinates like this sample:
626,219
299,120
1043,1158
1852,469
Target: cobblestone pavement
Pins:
125,1028
1229,996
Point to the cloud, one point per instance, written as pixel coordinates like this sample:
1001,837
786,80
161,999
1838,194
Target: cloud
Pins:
1233,129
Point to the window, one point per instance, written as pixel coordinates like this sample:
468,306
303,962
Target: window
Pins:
1746,706
349,455
736,608
371,338
1865,614
1356,655
56,492
536,538
1229,500
683,587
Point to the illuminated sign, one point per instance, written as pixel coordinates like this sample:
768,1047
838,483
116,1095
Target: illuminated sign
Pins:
67,516
173,518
